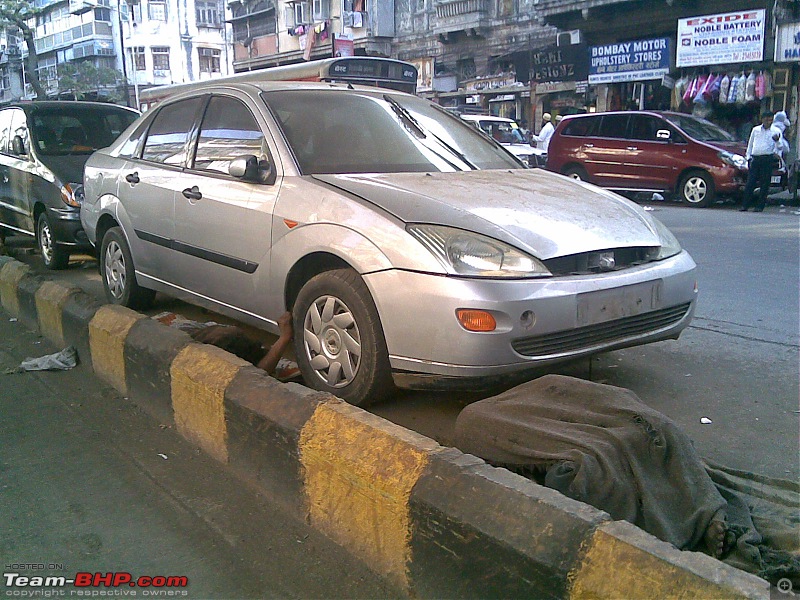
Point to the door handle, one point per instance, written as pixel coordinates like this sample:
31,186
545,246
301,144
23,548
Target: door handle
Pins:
632,148
132,177
588,145
192,193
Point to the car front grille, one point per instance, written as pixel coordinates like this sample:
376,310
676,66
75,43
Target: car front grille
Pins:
588,263
601,333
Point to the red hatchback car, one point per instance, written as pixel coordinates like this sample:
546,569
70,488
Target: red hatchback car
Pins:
650,151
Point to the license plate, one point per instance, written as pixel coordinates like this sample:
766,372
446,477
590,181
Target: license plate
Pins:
776,180
617,303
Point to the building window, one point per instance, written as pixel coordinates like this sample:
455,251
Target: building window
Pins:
296,13
157,10
321,9
138,58
209,60
506,8
207,12
102,14
160,58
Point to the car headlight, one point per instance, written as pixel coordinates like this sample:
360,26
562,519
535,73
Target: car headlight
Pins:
735,160
669,243
72,194
474,255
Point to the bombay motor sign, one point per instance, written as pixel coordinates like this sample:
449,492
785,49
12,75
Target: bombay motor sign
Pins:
719,39
638,60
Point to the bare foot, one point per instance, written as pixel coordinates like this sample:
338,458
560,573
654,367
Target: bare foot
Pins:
716,534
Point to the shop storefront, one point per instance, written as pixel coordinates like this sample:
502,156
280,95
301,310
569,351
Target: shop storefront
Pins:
786,78
559,81
722,72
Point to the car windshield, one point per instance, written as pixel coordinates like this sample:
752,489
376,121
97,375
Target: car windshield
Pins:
379,132
700,129
77,129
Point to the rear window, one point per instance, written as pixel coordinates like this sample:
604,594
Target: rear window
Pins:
614,126
77,129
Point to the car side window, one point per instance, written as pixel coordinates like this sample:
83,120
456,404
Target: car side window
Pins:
644,127
166,140
19,127
228,131
5,130
614,126
582,127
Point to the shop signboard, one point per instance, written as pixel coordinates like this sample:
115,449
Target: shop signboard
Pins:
638,60
787,43
424,73
560,63
734,37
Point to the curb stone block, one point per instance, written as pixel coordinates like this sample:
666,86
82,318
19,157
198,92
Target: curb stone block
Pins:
647,568
359,471
27,287
107,332
50,300
491,533
264,419
76,314
150,348
199,376
10,274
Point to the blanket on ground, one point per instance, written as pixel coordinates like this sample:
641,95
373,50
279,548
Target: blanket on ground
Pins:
601,445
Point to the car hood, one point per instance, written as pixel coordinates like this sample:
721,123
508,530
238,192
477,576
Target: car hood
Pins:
521,149
734,147
67,167
543,213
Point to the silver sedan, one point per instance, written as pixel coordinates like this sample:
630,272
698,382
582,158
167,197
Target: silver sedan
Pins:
411,250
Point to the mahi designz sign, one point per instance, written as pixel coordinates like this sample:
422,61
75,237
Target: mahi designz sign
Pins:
719,39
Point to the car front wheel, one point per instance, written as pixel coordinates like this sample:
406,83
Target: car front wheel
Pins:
696,188
339,340
53,256
119,277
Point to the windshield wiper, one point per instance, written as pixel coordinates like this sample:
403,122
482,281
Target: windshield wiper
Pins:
407,118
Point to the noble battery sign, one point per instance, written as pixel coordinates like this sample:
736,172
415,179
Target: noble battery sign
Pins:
638,60
720,39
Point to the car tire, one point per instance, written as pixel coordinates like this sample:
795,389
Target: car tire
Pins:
339,341
54,257
697,189
119,276
576,172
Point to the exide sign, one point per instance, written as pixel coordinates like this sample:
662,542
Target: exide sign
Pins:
723,18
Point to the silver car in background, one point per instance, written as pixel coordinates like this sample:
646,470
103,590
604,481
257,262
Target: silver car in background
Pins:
411,250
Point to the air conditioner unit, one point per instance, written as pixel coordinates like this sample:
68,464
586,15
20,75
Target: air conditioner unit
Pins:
569,38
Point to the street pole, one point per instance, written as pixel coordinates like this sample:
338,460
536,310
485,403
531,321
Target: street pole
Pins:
124,57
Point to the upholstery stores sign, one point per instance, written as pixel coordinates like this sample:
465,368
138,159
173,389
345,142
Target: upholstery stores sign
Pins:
718,39
638,60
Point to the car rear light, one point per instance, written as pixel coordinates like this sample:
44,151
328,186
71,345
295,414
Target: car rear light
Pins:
476,320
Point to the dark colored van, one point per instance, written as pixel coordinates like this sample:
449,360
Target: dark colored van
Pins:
649,151
43,149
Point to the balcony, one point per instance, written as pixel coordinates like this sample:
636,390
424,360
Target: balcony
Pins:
460,15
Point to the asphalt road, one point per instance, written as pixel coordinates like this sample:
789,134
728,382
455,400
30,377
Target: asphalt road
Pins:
89,483
737,364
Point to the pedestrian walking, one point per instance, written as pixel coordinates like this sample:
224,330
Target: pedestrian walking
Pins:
762,155
545,133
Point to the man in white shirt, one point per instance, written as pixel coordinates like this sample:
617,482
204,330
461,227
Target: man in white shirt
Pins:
543,139
762,156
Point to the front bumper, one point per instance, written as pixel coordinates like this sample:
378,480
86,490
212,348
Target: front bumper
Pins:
67,228
539,322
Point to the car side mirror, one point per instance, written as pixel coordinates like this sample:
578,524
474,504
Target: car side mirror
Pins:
249,168
663,134
18,146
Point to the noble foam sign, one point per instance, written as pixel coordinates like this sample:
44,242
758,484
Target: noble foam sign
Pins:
719,39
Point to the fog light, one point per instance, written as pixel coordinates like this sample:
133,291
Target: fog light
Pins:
527,319
475,320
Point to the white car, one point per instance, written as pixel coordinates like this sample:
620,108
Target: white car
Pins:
502,130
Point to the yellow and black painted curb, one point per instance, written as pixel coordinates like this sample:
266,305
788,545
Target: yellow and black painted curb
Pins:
431,520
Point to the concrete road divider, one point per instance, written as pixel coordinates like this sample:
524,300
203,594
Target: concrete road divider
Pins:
433,521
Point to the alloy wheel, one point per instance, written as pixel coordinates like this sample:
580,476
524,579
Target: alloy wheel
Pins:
46,241
695,189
